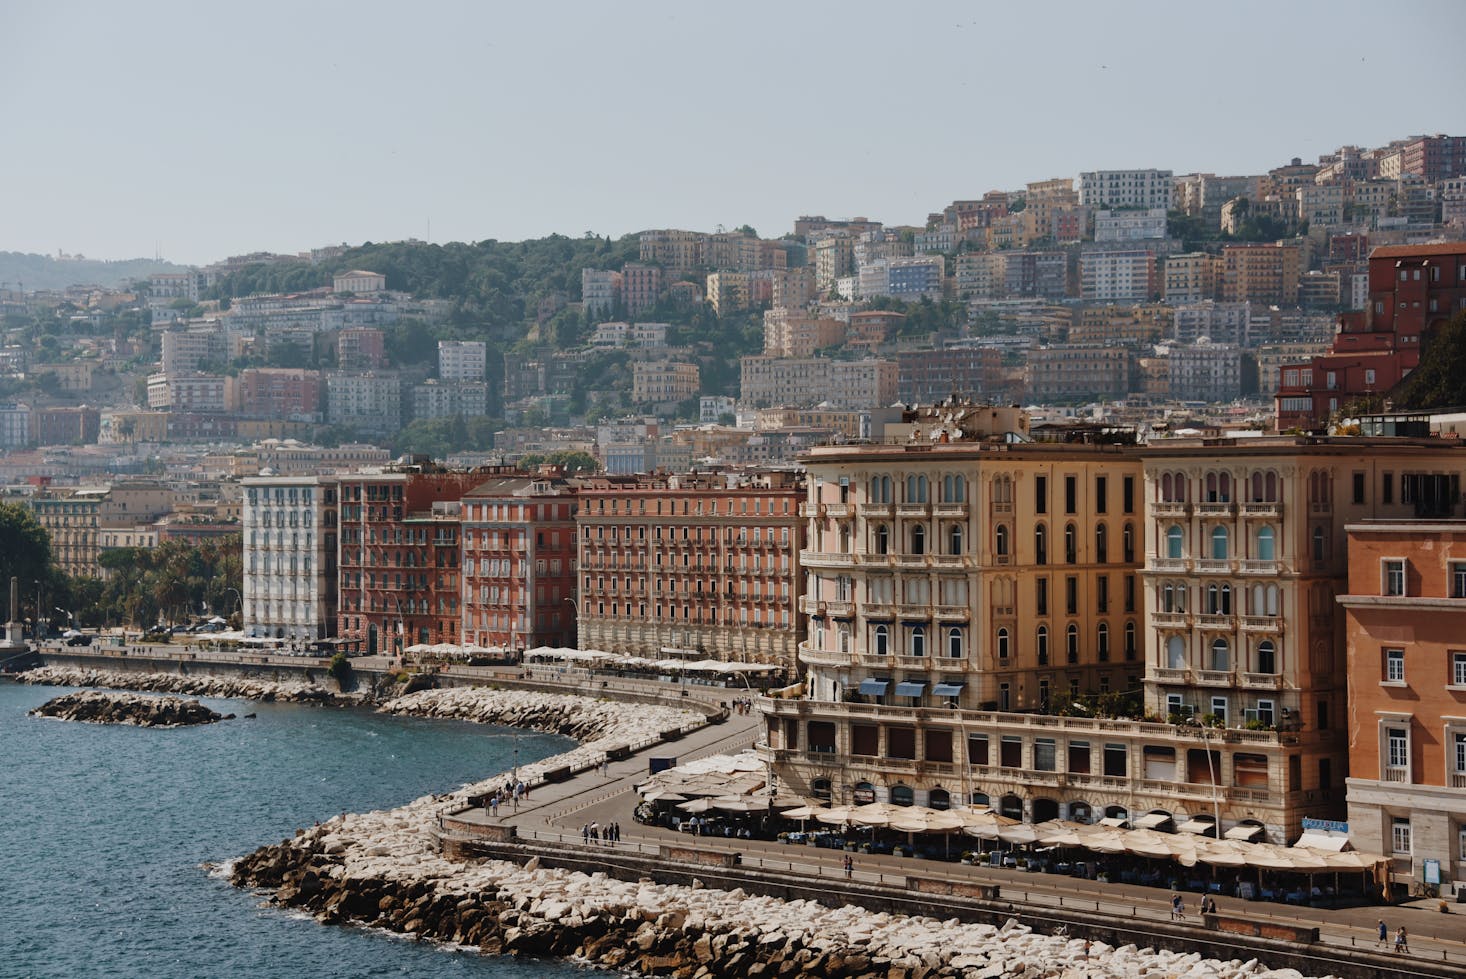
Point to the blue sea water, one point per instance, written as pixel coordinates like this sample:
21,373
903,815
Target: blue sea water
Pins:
103,830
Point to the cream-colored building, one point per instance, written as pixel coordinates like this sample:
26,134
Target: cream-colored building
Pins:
1189,278
663,381
791,333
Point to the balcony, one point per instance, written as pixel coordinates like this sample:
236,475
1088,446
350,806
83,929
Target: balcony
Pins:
1261,681
1171,565
1394,774
1262,623
838,609
1215,678
951,613
1215,509
949,510
874,510
913,510
1458,780
1170,620
1172,676
910,560
913,612
1269,568
809,510
1170,509
1262,511
1209,565
826,559
1216,622
822,657
840,510
1002,508
947,560
809,605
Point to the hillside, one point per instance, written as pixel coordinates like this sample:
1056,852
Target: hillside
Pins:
1440,380
42,272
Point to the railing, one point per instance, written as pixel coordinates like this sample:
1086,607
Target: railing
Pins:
1458,780
1214,678
1259,567
951,611
1215,622
1271,511
839,609
1262,623
913,510
1392,774
1214,509
1170,620
1170,564
947,560
838,509
1208,565
1166,675
1169,509
949,509
874,509
1262,681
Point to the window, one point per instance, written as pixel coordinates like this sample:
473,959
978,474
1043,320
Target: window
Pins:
1071,544
918,540
1128,541
1010,752
1127,494
1101,545
1394,666
1130,640
1400,836
1221,655
918,640
1042,645
1004,644
1173,541
1041,595
1267,657
954,489
882,640
1458,669
1319,546
1459,755
954,540
1265,712
1071,594
954,643
1071,494
1101,495
1266,551
1102,642
1394,576
883,539
1219,543
1001,540
1175,653
1397,747
916,489
1458,579
1045,755
1071,643
1359,487
1040,494
1040,545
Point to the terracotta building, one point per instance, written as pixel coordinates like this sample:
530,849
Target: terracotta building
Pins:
700,565
1405,628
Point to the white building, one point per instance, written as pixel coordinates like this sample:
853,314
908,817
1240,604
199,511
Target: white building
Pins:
1205,371
447,399
599,289
1222,322
358,282
190,392
369,402
1126,188
713,407
15,425
904,278
290,556
1130,225
1117,275
462,360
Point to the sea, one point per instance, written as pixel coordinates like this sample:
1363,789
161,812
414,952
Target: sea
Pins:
105,832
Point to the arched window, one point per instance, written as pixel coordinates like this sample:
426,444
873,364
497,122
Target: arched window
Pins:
916,489
1004,647
1319,549
1101,544
1071,544
1224,600
954,643
880,489
1265,549
1041,544
844,539
1219,543
1129,640
1102,642
954,540
1079,812
1071,643
918,640
1128,541
1001,540
883,539
918,540
902,795
1042,644
1218,487
1265,487
820,788
981,799
1221,654
939,799
1267,657
882,640
1175,653
954,489
1173,541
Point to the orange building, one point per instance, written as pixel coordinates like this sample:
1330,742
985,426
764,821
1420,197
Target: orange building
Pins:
1405,628
699,565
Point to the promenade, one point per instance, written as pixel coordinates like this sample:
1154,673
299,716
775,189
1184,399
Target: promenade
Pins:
556,812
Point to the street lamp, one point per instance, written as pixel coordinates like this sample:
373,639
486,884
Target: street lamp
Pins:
70,619
1211,772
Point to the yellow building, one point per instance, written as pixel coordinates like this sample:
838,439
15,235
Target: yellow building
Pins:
727,292
1189,278
663,382
1121,324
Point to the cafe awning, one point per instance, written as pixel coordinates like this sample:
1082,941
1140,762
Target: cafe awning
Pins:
1245,831
1313,839
1201,827
909,688
947,690
1151,820
874,688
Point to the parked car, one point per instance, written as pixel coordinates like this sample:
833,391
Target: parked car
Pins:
79,639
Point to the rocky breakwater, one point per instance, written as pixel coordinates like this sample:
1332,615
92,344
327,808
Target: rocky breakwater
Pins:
384,869
95,707
191,686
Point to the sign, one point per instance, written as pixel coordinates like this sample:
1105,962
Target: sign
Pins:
864,795
1432,872
1327,825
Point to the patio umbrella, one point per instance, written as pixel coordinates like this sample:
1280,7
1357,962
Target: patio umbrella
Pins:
1269,857
835,815
1018,834
664,795
1307,860
919,820
802,812
1224,854
784,802
985,825
738,803
876,813
1058,832
696,805
1148,843
1104,839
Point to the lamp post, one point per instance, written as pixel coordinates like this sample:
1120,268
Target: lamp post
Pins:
238,598
575,605
70,619
1211,772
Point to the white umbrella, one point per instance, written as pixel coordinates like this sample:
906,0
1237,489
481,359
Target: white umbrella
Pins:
1018,833
737,804
696,805
875,813
835,815
918,820
802,812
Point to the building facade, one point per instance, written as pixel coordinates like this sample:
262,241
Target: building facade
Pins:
290,541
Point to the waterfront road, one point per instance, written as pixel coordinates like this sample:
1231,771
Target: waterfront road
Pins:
556,813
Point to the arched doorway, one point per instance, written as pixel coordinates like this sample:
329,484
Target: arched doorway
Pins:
863,793
939,799
902,795
981,799
1117,812
1080,812
820,789
1010,806
1044,810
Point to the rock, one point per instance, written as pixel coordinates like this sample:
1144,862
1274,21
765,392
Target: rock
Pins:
96,707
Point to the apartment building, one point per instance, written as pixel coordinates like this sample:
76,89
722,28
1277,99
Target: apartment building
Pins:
698,565
1206,371
1245,553
1189,278
793,288
289,530
65,426
1405,629
361,348
778,381
1120,324
600,289
930,376
1130,225
1064,372
791,333
910,279
872,328
191,392
462,360
661,382
1262,274
641,286
369,402
15,425
1118,275
450,399
1142,189
834,258
519,554
75,518
280,392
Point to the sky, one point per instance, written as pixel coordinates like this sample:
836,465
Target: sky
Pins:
200,130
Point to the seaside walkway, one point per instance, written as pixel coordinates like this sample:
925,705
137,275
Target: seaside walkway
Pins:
556,812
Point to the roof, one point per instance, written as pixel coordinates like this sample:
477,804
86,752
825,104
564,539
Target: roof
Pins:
1419,251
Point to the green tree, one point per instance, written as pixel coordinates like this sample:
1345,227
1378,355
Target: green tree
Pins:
25,547
1440,380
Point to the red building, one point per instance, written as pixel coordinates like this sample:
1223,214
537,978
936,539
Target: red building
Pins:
361,348
280,392
399,567
1412,290
519,560
640,287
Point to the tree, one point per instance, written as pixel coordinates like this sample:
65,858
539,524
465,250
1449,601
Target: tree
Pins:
25,548
1440,380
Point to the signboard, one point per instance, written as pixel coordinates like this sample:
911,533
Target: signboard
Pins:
1327,825
1432,872
864,795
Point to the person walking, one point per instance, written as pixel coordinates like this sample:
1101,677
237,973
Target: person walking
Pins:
1384,935
1402,941
849,867
1178,907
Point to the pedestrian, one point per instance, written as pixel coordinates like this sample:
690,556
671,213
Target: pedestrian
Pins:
1384,935
1402,941
585,833
1178,907
849,866
616,830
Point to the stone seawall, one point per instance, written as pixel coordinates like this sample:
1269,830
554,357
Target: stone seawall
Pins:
246,688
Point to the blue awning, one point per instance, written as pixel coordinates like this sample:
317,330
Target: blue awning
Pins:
947,690
908,688
874,688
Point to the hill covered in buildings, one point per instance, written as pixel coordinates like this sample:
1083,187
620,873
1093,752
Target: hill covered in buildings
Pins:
30,272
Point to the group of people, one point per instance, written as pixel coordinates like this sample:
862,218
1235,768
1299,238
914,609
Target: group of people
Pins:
1178,906
1402,939
511,793
743,705
609,834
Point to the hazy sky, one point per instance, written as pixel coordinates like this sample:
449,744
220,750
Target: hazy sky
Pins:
205,130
